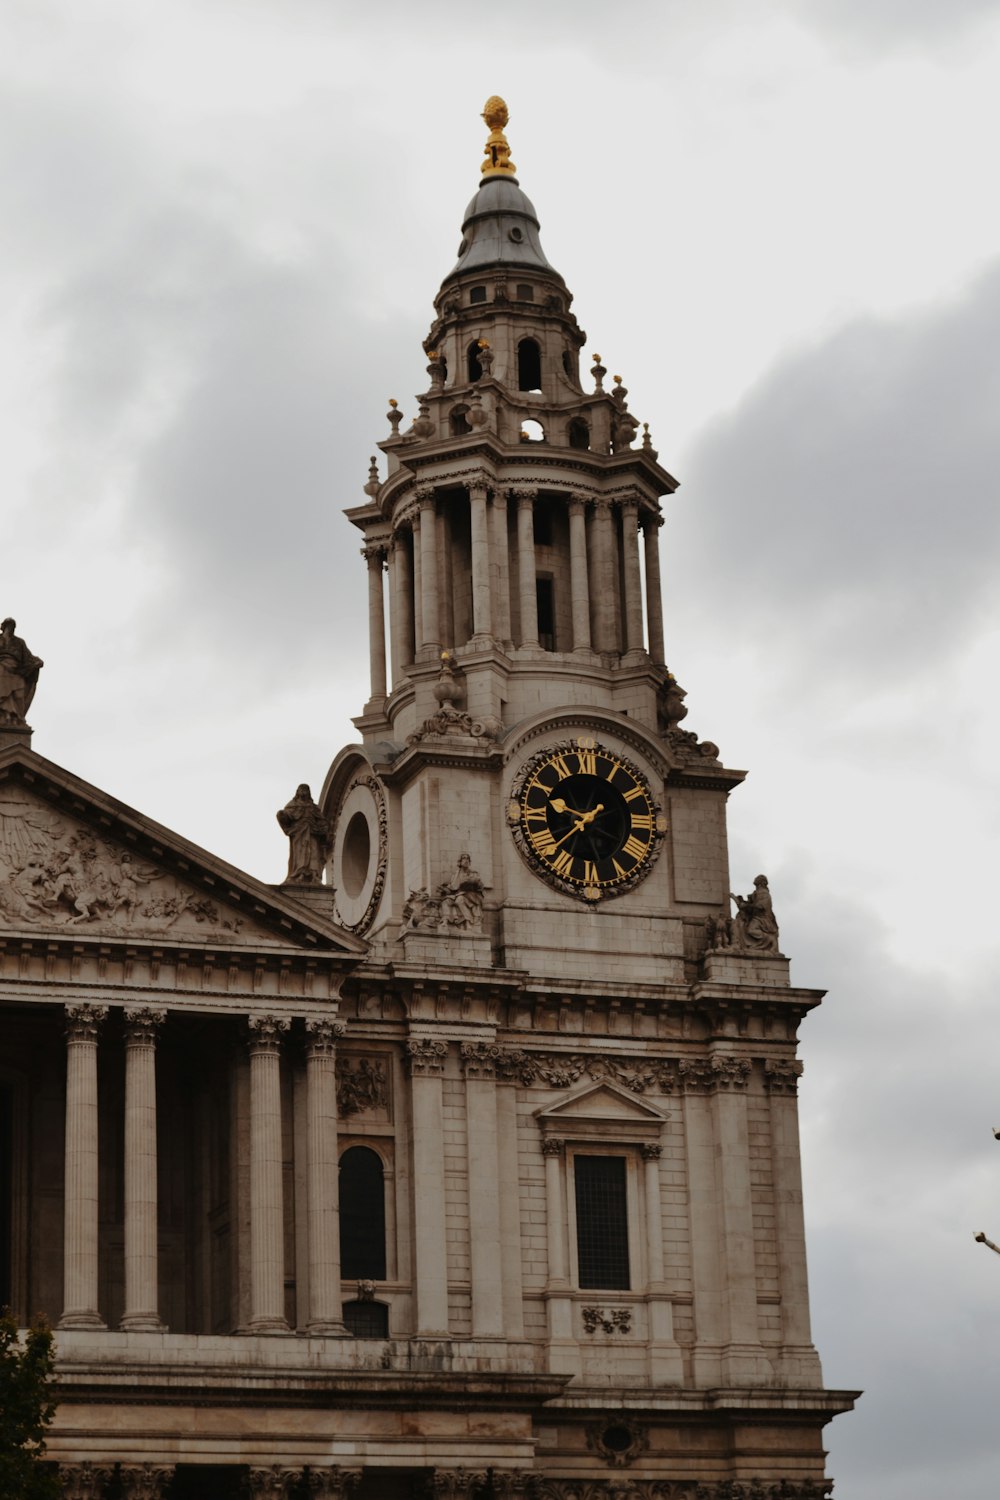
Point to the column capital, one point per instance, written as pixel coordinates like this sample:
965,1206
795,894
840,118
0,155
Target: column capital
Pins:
426,497
710,1074
480,1059
83,1021
272,1482
781,1075
424,1055
651,1151
84,1481
333,1483
266,1033
145,1481
577,502
651,520
456,1484
552,1145
374,554
525,497
322,1036
141,1024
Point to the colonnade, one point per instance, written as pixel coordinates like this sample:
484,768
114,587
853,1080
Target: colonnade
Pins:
420,579
267,1209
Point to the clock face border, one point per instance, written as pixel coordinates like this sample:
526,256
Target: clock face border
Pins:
573,763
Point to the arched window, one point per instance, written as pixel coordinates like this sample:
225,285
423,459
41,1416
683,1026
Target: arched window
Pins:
475,369
532,431
579,433
367,1320
529,366
362,1215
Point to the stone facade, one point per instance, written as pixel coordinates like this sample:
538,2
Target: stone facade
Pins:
472,1169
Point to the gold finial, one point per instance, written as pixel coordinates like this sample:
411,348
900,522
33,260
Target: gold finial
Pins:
497,162
482,343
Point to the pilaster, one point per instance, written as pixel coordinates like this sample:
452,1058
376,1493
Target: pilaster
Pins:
479,1067
81,1219
425,1059
325,1315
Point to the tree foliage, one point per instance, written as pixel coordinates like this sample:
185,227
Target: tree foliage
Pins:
27,1406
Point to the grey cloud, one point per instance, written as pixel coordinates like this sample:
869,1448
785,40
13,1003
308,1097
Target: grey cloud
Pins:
850,502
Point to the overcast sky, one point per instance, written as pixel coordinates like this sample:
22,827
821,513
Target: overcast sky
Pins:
223,228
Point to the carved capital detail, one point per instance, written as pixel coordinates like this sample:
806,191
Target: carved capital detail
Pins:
374,554
145,1481
424,1055
266,1033
333,1483
552,1145
84,1481
524,496
322,1036
271,1483
456,1484
651,1151
707,1074
142,1023
479,1059
83,1022
781,1075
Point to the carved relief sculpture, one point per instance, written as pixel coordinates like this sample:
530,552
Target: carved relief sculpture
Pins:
455,906
309,841
362,1088
755,929
18,675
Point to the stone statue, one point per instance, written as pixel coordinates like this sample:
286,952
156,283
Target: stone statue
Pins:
309,841
18,675
719,931
755,929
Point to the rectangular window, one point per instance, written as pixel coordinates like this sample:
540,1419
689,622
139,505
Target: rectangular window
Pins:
601,1222
546,614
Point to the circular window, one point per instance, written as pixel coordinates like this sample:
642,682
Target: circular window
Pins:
357,855
617,1438
517,235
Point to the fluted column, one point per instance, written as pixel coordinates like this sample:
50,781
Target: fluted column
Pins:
654,597
322,1211
603,581
425,1060
375,557
141,1281
80,1224
482,601
430,604
145,1481
578,584
526,588
267,1229
486,1268
501,565
633,577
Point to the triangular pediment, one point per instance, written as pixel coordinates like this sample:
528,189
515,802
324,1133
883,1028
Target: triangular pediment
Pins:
602,1101
75,863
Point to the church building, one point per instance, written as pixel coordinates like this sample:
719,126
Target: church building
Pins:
464,1162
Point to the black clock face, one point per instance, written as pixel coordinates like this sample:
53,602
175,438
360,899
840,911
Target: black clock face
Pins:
585,819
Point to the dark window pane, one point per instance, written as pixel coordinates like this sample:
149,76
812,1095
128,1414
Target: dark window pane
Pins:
362,1215
367,1320
601,1222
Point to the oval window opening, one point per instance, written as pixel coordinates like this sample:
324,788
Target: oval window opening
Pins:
357,855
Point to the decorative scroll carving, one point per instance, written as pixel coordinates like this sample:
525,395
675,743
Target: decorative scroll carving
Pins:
425,1055
309,840
512,1484
57,874
322,1036
479,1059
18,675
456,1484
363,1087
755,929
705,1074
453,723
781,1075
82,1022
617,1438
145,1481
614,1320
561,1070
333,1483
271,1483
456,905
266,1032
84,1481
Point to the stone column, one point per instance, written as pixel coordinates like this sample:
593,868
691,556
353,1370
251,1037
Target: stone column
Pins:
781,1078
527,592
510,1212
666,1365
401,605
429,602
482,603
322,1170
80,1224
603,582
486,1268
706,1226
267,1228
141,1281
425,1060
272,1482
579,587
145,1481
446,633
560,1310
332,1482
501,566
85,1481
375,557
654,597
633,577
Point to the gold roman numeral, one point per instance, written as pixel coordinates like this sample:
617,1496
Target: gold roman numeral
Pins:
632,793
560,767
589,873
588,762
543,843
643,820
634,846
618,870
563,862
539,814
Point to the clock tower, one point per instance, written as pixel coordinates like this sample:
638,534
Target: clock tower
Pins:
594,1152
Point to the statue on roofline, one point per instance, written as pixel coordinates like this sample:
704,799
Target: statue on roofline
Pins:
18,675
